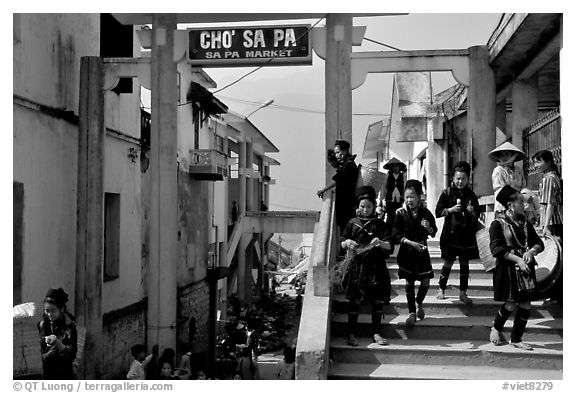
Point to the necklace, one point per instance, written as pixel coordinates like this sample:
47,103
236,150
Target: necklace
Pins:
521,224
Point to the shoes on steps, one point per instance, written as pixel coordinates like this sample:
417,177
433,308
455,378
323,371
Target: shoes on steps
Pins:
411,320
440,295
378,339
497,337
420,313
464,298
352,340
522,345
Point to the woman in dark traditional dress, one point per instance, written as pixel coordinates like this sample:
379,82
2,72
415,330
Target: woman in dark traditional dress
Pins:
412,226
345,183
58,337
459,205
514,243
394,197
366,277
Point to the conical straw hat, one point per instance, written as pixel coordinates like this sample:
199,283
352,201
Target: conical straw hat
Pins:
392,161
506,146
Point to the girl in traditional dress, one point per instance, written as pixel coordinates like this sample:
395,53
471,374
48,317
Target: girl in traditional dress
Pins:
514,243
506,172
58,337
550,191
366,277
551,220
394,189
459,205
412,226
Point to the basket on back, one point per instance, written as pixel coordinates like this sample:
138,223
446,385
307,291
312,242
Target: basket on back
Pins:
371,177
26,355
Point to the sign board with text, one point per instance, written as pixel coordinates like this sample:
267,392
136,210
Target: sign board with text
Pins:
250,46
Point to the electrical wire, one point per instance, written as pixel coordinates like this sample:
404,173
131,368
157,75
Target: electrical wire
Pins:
268,62
294,109
381,43
289,207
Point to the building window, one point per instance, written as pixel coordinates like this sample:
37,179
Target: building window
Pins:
219,144
111,236
18,233
116,40
16,28
196,123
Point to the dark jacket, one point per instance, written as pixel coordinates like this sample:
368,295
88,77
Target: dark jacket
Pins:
58,364
367,277
345,179
458,236
392,183
504,275
412,264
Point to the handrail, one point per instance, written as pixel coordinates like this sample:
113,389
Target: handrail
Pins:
312,350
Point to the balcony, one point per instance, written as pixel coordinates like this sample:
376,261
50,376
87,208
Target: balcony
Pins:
208,164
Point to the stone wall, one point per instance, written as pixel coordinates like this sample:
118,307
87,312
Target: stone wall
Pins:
193,312
122,329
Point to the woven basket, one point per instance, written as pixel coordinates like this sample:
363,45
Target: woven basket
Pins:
371,177
26,355
483,241
27,360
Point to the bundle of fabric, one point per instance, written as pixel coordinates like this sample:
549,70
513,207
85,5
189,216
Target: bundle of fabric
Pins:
339,270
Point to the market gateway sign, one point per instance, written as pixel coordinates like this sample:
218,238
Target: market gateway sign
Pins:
248,46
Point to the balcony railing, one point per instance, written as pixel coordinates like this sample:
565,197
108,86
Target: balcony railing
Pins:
208,164
544,134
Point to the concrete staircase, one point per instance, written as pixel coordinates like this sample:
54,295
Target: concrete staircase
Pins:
452,342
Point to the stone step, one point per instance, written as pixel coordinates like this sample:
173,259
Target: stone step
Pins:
476,287
476,270
339,370
448,326
482,306
546,354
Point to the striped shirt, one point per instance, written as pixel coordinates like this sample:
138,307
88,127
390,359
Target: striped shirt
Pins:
503,175
550,191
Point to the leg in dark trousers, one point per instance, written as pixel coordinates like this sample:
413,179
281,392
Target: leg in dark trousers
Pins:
353,308
520,321
377,313
464,275
411,299
445,274
496,335
422,291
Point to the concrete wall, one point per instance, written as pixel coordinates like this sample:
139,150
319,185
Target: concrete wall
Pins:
46,65
45,152
122,176
46,56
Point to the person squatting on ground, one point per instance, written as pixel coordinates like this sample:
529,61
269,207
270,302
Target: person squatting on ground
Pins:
366,277
286,368
344,181
140,361
246,368
506,172
412,226
459,205
58,337
514,243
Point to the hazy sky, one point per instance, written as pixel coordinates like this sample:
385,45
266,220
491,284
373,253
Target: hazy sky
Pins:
299,132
